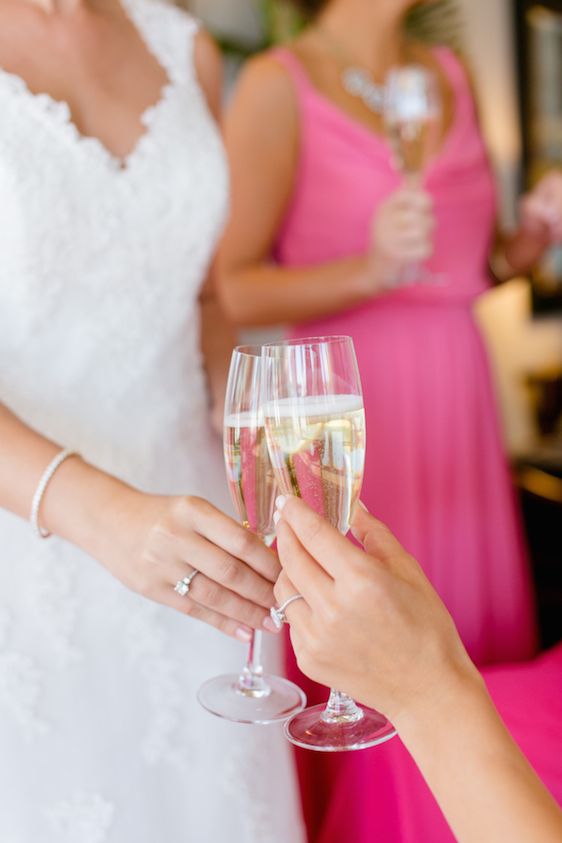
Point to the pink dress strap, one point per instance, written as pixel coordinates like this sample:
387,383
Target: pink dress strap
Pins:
450,62
458,77
294,67
298,74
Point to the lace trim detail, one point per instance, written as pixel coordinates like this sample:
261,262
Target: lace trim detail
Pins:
21,684
84,818
245,776
169,35
51,601
167,738
56,114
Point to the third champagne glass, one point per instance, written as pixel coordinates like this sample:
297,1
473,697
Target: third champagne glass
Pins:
250,696
315,427
413,118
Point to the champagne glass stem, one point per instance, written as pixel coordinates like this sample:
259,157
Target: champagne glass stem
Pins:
413,179
341,709
251,681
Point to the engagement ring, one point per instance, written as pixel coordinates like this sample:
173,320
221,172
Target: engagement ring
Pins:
182,586
278,614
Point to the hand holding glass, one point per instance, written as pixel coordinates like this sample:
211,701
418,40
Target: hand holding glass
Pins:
251,696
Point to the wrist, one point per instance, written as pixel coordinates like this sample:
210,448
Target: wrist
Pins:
361,280
375,275
457,688
87,507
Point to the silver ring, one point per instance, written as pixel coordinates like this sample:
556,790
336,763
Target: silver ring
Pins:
182,586
278,615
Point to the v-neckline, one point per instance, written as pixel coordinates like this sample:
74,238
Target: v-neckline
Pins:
371,135
60,109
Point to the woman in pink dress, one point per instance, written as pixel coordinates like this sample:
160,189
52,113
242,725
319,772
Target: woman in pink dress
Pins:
320,221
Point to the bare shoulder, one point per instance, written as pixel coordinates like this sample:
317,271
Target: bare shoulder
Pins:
209,69
207,52
265,91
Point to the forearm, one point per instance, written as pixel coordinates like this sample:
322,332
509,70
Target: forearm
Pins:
24,455
147,542
269,295
80,503
481,780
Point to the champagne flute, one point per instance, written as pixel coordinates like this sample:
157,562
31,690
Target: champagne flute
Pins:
413,115
315,428
251,696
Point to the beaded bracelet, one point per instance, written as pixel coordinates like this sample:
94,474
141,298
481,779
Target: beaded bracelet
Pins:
41,488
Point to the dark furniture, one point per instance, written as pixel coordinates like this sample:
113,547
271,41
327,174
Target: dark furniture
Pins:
538,26
538,477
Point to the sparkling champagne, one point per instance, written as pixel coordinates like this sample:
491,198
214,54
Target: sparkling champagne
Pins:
413,115
317,447
413,142
249,473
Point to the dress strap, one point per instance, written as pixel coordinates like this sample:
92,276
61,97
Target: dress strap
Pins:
467,118
294,68
169,33
454,69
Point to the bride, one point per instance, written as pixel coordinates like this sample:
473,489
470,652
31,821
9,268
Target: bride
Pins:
113,191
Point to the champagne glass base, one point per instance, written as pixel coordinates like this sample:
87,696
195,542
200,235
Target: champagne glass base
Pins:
223,697
310,730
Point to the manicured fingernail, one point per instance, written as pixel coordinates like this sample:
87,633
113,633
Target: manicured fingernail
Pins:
280,502
276,518
270,626
244,634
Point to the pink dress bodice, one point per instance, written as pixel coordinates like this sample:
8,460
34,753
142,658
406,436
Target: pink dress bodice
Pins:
345,170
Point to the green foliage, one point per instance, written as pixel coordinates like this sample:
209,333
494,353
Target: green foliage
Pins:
437,23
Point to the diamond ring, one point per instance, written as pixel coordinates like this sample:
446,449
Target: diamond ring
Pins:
278,615
182,586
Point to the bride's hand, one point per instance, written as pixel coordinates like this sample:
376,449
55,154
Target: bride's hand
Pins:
161,540
151,542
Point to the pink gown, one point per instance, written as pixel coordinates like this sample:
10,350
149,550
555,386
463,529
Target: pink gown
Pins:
435,469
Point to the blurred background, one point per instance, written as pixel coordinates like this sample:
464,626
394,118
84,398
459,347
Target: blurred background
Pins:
514,48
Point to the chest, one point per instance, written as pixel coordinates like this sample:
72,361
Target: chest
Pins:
133,242
328,79
99,65
345,172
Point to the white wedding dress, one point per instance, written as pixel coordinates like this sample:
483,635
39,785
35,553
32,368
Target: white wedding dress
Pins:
101,737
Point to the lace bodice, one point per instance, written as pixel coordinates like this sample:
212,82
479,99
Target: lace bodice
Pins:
101,264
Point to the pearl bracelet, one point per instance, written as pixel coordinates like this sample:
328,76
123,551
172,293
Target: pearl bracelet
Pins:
41,488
